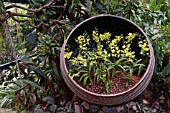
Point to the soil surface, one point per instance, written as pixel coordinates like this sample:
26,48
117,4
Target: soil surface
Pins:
119,84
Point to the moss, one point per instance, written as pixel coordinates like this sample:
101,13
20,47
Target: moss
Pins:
1,43
2,27
2,35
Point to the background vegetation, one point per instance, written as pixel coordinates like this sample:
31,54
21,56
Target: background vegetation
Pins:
39,28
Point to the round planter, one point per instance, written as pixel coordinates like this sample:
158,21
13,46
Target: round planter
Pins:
117,26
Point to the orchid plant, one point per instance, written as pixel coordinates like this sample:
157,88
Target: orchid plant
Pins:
107,58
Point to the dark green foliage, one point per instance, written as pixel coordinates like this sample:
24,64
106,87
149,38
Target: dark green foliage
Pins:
166,70
31,41
2,8
40,80
41,86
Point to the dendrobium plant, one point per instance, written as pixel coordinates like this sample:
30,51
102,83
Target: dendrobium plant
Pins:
107,57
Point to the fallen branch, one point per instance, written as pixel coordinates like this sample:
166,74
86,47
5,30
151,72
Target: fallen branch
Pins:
31,10
12,15
15,15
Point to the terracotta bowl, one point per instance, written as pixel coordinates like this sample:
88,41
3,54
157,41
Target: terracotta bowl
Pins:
117,26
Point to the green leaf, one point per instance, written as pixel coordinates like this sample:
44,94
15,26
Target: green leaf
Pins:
82,71
24,58
153,4
38,71
110,67
90,67
101,65
108,61
13,86
24,111
57,75
166,70
5,82
87,4
99,6
136,65
33,84
71,71
107,87
85,80
2,8
108,72
140,69
12,101
83,76
127,84
31,40
36,3
138,61
131,73
119,61
99,78
6,100
98,72
123,69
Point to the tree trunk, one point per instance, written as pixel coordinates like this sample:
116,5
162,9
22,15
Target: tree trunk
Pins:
2,27
6,50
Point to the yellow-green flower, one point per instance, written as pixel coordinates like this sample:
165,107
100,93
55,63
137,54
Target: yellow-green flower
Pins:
92,63
104,75
130,60
105,52
105,36
123,46
74,61
68,54
144,47
75,75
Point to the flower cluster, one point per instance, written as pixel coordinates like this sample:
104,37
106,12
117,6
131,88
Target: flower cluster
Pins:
126,47
114,49
95,63
144,47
